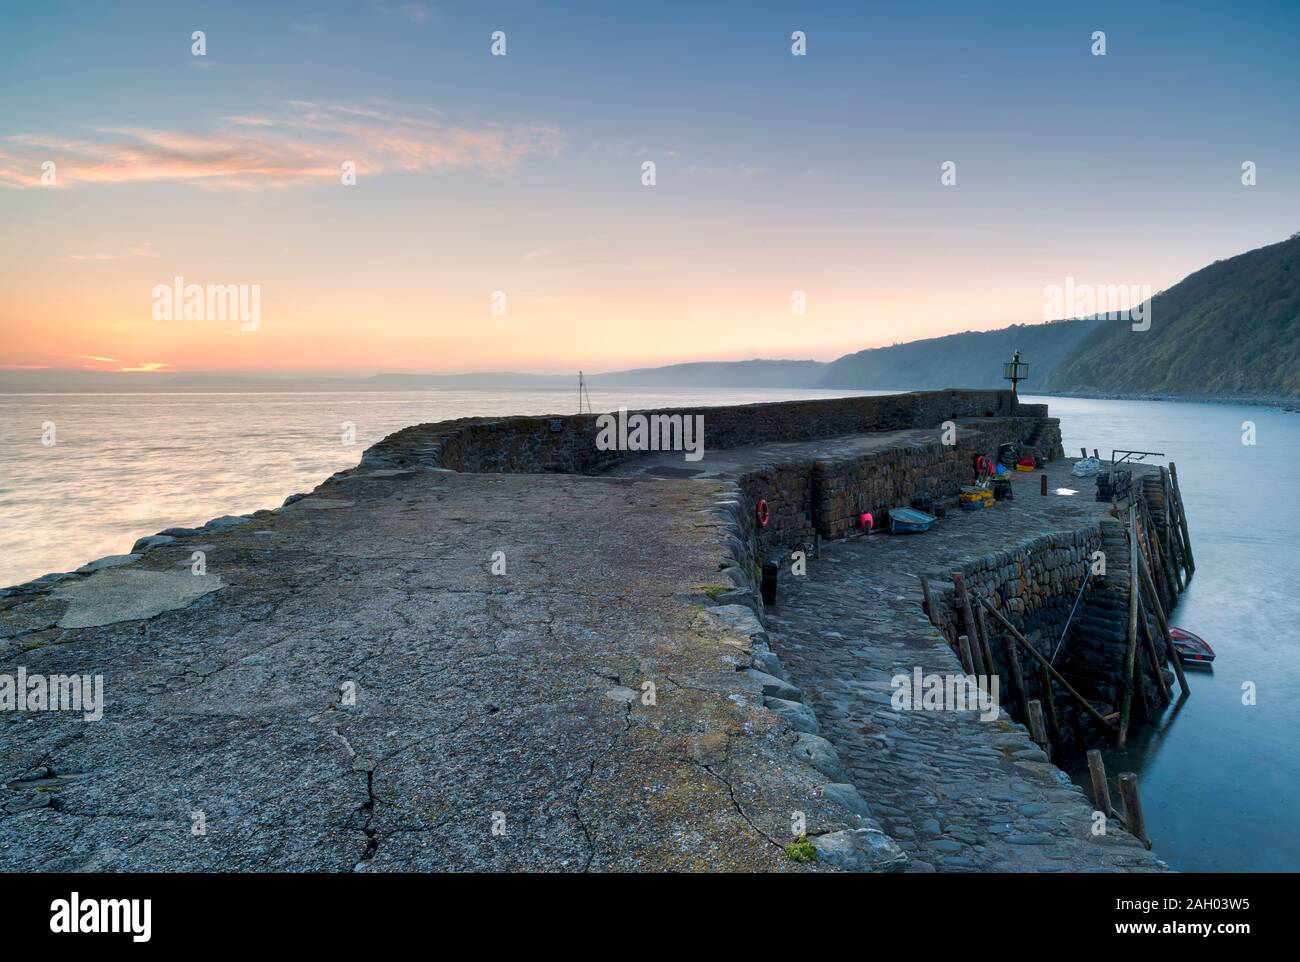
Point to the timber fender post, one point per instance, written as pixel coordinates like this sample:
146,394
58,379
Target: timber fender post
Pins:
1100,790
1130,681
1044,662
1182,520
1134,821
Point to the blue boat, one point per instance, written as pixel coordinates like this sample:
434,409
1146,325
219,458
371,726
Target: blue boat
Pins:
909,521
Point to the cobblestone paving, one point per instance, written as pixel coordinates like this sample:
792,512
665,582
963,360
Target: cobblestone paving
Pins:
956,793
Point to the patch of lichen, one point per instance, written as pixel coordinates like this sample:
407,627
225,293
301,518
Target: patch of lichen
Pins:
714,590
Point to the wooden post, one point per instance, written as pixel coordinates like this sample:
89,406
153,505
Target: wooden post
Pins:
1154,576
925,600
1172,574
1130,655
1151,545
1149,584
1128,790
1170,528
1176,533
1177,665
1100,790
963,643
1150,646
968,621
1084,452
986,640
1017,677
1162,625
1182,520
1060,679
982,667
1036,729
1157,555
1049,699
1043,486
1174,588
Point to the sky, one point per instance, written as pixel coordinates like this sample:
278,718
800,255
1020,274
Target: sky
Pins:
499,218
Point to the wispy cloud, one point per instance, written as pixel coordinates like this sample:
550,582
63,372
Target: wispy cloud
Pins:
140,250
547,251
301,143
137,367
147,367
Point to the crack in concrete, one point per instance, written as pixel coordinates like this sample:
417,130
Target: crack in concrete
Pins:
583,782
731,792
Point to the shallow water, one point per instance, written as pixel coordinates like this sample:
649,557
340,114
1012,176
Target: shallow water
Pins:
1216,778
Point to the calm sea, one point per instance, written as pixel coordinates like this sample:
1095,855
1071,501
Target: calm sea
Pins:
126,465
1217,778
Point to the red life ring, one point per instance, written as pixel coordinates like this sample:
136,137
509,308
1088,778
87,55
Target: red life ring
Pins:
980,464
761,513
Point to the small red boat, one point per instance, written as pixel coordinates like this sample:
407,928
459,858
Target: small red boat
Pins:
1192,649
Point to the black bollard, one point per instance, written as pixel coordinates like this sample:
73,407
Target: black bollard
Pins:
768,586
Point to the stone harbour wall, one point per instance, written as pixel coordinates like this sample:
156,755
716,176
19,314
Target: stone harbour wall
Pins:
1035,586
828,495
567,444
790,492
1098,642
845,488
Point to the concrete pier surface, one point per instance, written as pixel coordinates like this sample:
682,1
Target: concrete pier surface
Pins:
499,721
417,668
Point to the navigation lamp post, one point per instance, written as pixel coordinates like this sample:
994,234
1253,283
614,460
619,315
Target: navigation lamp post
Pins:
1015,371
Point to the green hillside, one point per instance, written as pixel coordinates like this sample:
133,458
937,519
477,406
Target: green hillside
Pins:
971,359
1230,328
